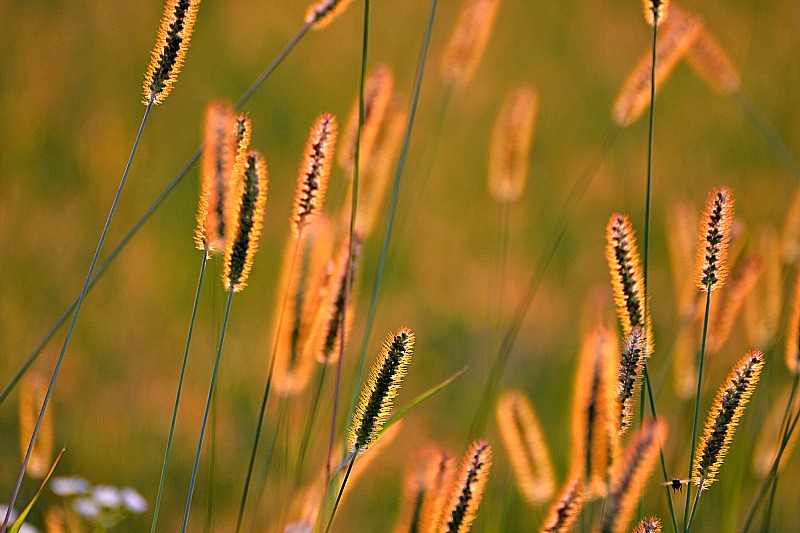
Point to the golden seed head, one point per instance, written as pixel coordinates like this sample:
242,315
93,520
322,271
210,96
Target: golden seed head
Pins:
763,307
679,33
566,509
322,13
246,218
723,418
793,332
526,447
468,489
741,284
681,230
312,180
428,479
627,279
468,41
511,144
378,393
631,366
170,50
656,11
715,236
31,397
709,60
217,166
628,475
649,525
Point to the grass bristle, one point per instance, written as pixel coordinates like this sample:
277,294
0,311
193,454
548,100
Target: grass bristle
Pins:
656,11
312,181
709,60
526,447
468,41
468,489
511,144
566,509
630,371
31,396
723,418
428,479
170,50
715,237
649,525
322,13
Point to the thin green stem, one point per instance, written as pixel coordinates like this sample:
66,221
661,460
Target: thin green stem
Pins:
697,404
262,482
212,464
205,413
178,393
307,431
341,491
78,305
694,506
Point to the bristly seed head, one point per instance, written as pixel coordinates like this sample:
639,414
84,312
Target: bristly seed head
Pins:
656,11
566,509
723,418
468,41
378,393
322,13
715,236
468,490
630,370
312,181
709,60
170,49
649,525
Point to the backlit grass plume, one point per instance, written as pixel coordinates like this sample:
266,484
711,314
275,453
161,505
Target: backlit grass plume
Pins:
511,143
170,49
593,427
312,180
468,41
31,395
377,95
709,60
648,525
723,418
322,13
715,236
216,171
679,33
627,280
381,387
526,447
741,284
656,11
628,475
246,217
630,370
763,308
427,484
566,508
681,231
468,489
793,331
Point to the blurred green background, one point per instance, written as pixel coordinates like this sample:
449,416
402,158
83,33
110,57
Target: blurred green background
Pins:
70,86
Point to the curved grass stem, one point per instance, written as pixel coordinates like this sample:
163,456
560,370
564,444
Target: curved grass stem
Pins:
341,491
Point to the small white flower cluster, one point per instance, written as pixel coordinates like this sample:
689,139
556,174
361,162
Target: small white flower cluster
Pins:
102,505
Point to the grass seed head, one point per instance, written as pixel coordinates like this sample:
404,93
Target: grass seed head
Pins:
312,180
715,237
630,371
322,13
649,525
32,391
428,479
468,41
566,508
710,61
468,489
656,11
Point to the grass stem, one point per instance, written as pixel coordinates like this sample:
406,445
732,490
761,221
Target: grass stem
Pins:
341,491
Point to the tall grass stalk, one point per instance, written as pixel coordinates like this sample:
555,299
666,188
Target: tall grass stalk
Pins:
178,393
75,314
341,489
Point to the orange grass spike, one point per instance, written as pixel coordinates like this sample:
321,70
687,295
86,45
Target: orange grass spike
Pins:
631,366
678,35
468,41
427,484
723,418
31,396
383,384
468,489
377,95
246,219
170,50
709,60
681,230
715,237
793,331
526,447
627,280
216,170
312,180
741,284
628,475
656,11
648,525
764,306
566,509
593,425
320,14
511,144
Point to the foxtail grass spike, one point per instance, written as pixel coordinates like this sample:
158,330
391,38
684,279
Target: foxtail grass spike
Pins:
723,418
468,41
322,13
31,396
656,11
593,425
511,143
764,305
793,332
566,509
526,447
628,475
715,237
627,279
377,396
377,95
740,286
167,57
468,489
630,371
709,60
679,33
312,180
681,231
246,218
427,483
649,525
216,169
